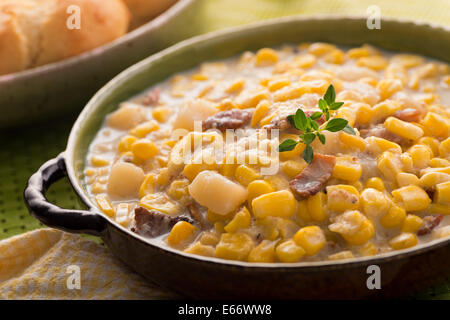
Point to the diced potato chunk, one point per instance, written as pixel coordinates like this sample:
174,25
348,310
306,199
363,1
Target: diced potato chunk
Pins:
126,117
216,192
125,180
195,110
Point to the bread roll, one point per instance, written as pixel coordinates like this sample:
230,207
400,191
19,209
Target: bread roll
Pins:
35,32
143,11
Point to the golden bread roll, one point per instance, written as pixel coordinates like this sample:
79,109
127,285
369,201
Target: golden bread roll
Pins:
36,32
143,11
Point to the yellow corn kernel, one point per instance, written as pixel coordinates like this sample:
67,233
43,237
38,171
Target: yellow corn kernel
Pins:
389,165
234,246
432,143
105,205
276,84
89,172
443,170
335,56
126,143
292,167
342,198
209,238
191,170
257,188
296,152
201,249
347,114
181,232
384,109
377,145
347,254
444,148
178,189
241,220
354,227
437,124
289,252
311,239
439,163
437,208
302,211
442,194
388,87
143,129
358,185
374,203
430,179
407,162
373,62
304,60
219,227
244,174
403,129
347,168
369,249
159,201
278,182
161,114
276,204
352,142
320,48
236,86
199,77
261,110
213,217
144,149
358,53
316,207
268,227
98,188
293,92
394,217
407,60
403,241
420,155
406,179
412,223
97,161
364,113
375,183
412,198
264,252
147,186
266,56
252,98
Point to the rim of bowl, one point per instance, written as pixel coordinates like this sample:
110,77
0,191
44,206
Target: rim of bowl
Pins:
132,70
168,14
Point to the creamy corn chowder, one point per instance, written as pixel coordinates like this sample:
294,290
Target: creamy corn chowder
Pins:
193,163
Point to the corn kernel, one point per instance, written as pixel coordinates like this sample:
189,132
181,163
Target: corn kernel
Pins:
261,110
444,148
374,202
352,142
347,254
289,252
143,129
354,227
302,211
213,217
377,145
389,164
126,143
178,189
384,109
278,182
335,56
320,48
160,202
292,167
412,198
412,223
394,217
191,170
406,179
234,246
105,205
437,124
358,53
98,188
347,168
437,208
430,179
277,84
375,183
388,87
373,62
403,241
252,98
147,186
304,60
241,220
311,239
342,198
236,86
209,239
161,114
89,172
144,149
364,113
439,163
181,232
266,56
201,249
403,129
277,204
407,60
244,175
369,249
442,194
420,155
296,152
122,217
257,188
264,252
99,161
431,143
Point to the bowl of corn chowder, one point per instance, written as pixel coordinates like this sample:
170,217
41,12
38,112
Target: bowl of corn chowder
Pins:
282,153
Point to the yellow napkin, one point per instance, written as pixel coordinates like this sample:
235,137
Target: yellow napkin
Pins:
51,264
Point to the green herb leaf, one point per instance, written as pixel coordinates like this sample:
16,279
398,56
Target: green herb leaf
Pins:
291,120
309,137
315,125
316,115
300,120
308,154
348,129
336,105
287,145
336,124
323,105
322,137
330,95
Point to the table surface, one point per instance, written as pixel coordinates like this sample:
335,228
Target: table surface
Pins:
24,149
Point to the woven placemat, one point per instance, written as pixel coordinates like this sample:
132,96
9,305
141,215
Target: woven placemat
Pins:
23,150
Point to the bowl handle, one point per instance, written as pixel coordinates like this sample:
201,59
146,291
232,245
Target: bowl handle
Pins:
77,221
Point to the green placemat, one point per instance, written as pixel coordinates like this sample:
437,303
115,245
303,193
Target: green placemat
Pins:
23,150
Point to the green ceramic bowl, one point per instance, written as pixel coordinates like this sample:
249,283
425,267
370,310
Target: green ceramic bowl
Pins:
195,276
64,87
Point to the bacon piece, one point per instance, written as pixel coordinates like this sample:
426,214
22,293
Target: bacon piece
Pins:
381,132
198,214
429,223
151,98
312,179
152,223
229,119
409,115
283,123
